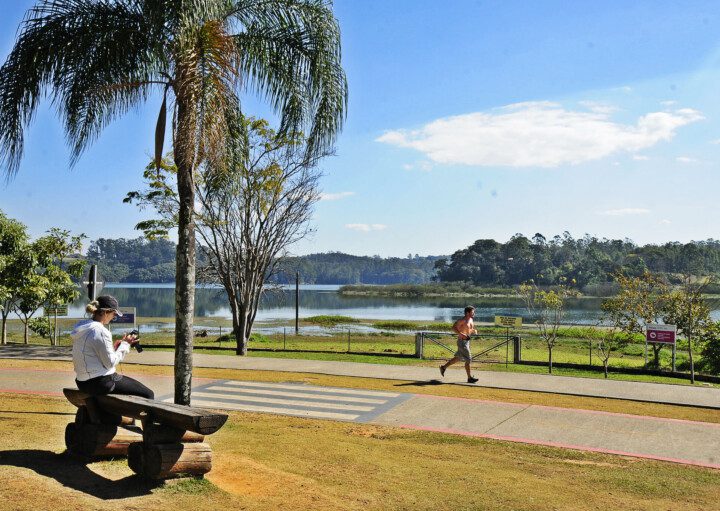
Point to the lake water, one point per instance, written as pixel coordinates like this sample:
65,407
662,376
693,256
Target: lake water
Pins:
158,300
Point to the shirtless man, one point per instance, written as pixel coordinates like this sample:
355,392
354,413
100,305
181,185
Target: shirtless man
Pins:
464,327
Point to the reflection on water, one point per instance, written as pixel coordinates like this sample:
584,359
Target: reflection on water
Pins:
159,301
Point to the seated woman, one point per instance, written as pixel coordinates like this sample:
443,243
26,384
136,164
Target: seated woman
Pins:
95,355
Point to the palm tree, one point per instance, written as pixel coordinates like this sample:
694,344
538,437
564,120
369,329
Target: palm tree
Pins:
96,59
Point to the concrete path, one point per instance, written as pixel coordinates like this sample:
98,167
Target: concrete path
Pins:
698,395
687,442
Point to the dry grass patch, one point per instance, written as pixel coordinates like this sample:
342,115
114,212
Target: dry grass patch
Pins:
266,462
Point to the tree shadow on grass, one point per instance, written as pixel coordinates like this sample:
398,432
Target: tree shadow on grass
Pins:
74,473
422,383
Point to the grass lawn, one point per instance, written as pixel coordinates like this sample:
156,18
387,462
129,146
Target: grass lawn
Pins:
346,341
266,462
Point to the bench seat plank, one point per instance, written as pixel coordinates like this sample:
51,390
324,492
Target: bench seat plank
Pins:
197,420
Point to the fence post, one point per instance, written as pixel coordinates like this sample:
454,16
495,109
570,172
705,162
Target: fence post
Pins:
419,345
517,350
348,340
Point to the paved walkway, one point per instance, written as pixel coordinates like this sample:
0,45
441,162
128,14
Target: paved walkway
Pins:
680,441
698,395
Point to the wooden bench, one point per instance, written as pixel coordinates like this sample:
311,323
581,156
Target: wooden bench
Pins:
169,444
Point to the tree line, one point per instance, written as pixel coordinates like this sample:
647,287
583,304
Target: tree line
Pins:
588,263
153,261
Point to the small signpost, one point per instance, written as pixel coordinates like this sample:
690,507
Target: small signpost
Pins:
509,322
55,311
660,334
128,317
94,283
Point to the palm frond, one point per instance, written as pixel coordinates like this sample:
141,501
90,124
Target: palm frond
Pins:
290,52
95,60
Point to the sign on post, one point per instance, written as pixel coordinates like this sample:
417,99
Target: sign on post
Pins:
56,310
94,283
508,321
128,316
660,334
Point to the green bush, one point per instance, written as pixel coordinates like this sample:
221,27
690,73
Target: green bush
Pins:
711,350
41,326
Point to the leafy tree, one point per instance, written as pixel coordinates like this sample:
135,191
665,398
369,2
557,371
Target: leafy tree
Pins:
610,341
96,60
711,347
14,267
52,269
639,302
686,308
547,309
247,216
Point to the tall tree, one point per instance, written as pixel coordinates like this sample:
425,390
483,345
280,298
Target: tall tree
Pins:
15,267
246,217
98,59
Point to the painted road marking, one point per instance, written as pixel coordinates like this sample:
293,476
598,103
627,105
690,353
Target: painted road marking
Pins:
295,399
285,393
308,388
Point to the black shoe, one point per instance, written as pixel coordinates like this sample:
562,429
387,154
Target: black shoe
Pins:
442,371
472,380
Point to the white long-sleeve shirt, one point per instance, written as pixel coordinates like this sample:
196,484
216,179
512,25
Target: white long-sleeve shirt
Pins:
93,352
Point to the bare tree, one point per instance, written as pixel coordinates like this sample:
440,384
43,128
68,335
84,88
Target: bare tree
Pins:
247,214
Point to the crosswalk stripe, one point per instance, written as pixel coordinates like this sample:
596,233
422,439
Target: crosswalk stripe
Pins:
282,411
328,390
292,402
268,392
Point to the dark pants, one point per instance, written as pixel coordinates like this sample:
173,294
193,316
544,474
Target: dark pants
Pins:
114,384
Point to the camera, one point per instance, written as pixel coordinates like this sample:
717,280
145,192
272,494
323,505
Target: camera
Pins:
137,344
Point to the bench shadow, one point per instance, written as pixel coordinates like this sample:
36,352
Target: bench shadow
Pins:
423,383
74,473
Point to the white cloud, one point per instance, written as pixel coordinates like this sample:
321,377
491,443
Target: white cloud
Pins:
599,108
335,196
624,212
716,141
686,159
540,134
423,165
366,227
668,103
640,157
665,221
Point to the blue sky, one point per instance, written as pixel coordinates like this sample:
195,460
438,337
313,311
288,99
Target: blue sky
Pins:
467,120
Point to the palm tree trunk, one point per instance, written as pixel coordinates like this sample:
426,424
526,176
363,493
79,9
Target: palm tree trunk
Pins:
184,271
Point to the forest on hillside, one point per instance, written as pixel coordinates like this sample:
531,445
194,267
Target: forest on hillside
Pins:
584,262
588,262
145,261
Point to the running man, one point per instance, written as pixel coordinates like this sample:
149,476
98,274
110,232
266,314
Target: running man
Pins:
464,327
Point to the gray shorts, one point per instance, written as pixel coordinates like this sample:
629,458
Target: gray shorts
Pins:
463,350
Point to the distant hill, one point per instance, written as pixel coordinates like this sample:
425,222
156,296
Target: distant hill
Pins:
141,260
339,268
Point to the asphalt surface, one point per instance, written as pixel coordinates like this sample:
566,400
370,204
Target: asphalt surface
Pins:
679,441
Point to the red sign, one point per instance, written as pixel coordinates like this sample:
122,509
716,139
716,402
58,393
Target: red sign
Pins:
660,334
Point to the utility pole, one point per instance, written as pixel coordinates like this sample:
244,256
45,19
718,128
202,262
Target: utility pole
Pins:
297,303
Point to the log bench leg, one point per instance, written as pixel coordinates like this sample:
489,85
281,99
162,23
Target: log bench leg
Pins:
165,461
99,440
